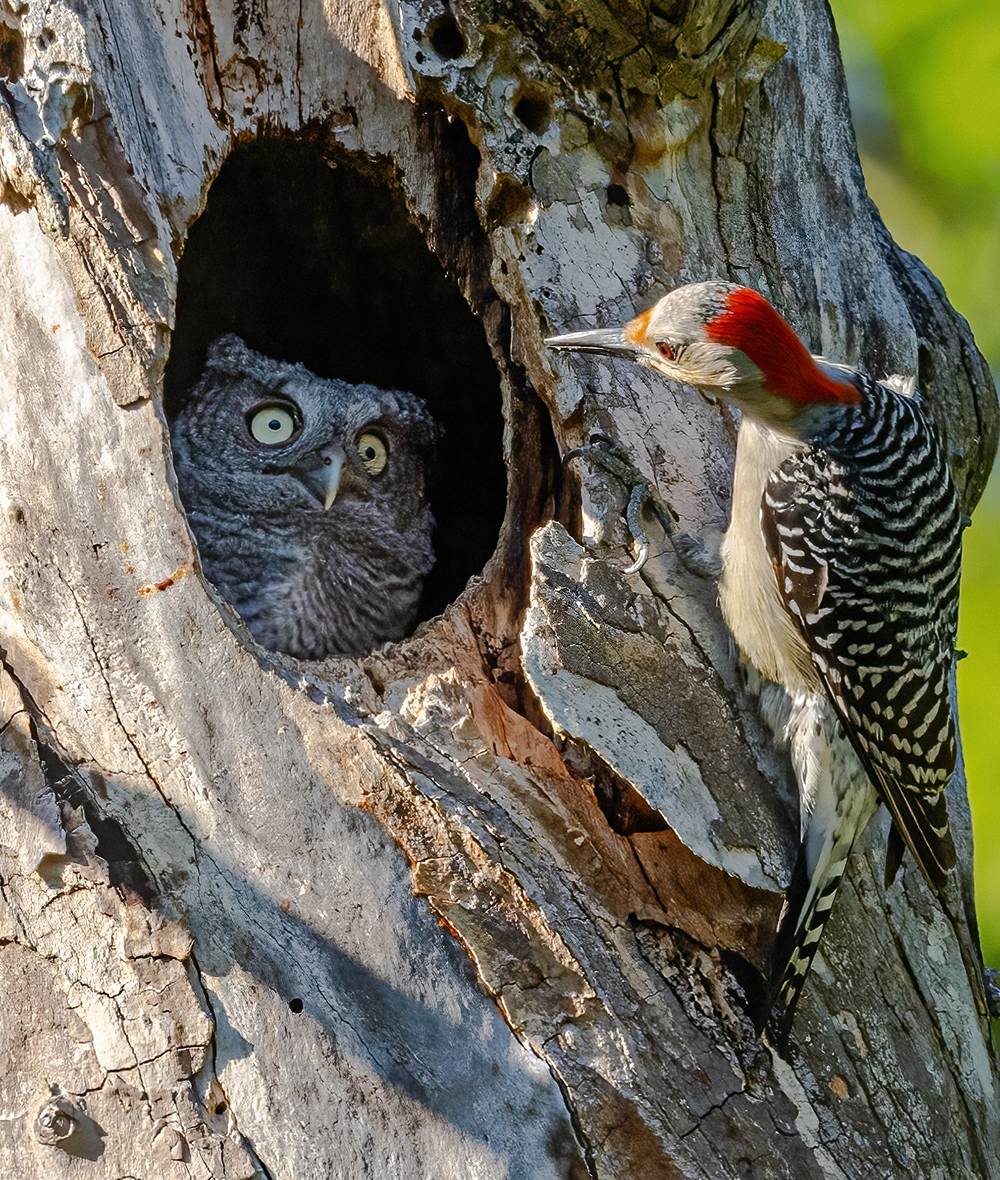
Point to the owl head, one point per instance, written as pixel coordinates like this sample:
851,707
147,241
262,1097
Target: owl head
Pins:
288,441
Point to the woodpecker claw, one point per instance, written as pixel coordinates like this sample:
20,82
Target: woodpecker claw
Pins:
602,451
639,562
633,518
605,454
692,552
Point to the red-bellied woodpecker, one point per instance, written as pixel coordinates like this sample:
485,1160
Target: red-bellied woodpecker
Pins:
839,583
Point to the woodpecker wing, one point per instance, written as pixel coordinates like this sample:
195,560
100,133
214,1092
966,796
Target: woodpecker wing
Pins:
864,530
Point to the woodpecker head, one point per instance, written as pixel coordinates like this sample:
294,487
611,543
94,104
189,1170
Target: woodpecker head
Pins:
729,342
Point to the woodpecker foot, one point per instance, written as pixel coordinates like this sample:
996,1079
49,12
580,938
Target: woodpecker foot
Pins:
696,557
692,552
991,979
604,453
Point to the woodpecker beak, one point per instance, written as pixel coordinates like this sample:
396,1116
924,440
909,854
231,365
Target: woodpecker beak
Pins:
323,480
608,341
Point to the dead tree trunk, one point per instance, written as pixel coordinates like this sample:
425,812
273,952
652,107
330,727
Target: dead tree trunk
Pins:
490,902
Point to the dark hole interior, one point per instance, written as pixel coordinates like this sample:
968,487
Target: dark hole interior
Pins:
446,37
310,258
11,54
534,112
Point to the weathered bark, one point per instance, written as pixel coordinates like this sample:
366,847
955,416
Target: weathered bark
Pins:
492,901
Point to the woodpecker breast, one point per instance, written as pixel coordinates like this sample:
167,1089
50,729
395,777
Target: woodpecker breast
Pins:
751,605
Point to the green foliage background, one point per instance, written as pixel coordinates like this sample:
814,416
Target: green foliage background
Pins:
924,79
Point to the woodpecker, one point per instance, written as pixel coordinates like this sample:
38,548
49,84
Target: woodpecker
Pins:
839,583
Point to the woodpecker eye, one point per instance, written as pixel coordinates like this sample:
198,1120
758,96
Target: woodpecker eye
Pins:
373,451
274,424
665,349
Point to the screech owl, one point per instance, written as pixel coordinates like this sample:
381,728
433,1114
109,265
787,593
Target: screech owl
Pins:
306,497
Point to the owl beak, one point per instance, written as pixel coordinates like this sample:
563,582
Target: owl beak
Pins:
322,476
329,474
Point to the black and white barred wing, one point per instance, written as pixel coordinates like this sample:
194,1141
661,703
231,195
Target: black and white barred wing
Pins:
868,567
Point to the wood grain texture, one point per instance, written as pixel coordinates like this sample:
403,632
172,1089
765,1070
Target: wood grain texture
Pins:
486,902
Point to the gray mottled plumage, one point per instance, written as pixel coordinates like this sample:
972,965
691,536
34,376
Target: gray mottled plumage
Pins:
306,579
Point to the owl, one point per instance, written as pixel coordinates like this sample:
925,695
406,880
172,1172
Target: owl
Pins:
306,497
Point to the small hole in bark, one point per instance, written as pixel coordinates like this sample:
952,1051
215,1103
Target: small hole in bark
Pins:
296,1005
310,256
221,1107
617,195
11,54
534,112
446,37
509,202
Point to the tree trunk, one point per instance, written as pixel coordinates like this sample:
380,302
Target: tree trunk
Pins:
492,901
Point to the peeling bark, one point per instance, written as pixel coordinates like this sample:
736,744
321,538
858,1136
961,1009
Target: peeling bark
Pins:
492,901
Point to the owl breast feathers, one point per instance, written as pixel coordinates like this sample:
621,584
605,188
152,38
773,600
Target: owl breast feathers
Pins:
307,499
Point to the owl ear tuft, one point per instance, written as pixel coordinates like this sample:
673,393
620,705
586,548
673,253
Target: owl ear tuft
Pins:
424,431
434,434
225,348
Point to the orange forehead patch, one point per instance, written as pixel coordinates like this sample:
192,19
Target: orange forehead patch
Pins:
635,330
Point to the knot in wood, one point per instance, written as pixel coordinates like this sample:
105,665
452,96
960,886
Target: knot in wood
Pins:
56,1121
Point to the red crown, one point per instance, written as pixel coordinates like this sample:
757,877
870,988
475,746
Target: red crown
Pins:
751,324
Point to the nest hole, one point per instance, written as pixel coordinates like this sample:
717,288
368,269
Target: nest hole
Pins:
313,258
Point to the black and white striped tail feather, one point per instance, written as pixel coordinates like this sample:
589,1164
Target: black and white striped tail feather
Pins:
837,802
810,902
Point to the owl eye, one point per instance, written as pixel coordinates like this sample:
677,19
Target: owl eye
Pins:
273,424
665,349
373,451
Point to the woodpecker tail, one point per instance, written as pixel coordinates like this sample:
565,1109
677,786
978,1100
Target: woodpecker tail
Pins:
813,891
837,801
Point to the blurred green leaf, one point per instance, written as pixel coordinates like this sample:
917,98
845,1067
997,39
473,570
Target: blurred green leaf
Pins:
925,90
979,635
